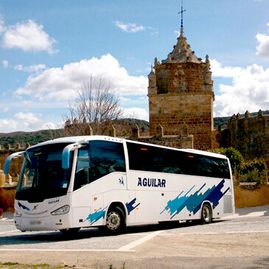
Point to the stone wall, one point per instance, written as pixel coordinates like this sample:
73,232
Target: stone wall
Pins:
163,135
249,198
249,134
183,113
121,128
160,138
7,197
183,77
15,164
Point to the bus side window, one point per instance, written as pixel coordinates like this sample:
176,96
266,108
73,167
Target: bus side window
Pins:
82,169
157,159
105,157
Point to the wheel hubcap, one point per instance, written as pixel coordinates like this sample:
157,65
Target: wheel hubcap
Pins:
206,214
113,221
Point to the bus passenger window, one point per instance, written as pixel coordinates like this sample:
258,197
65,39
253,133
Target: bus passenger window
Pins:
82,169
105,157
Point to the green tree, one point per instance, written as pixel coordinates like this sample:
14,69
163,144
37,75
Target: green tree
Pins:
244,171
235,157
253,171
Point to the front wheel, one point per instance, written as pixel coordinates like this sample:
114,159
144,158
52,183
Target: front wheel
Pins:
115,221
206,214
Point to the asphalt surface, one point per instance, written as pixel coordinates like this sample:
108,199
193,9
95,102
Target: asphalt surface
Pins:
240,241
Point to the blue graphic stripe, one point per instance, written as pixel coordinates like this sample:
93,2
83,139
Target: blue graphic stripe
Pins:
92,218
23,206
194,201
130,206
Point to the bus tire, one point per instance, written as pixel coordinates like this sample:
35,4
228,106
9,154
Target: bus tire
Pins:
70,232
206,214
115,220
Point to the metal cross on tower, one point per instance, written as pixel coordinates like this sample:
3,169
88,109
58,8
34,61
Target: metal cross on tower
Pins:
181,18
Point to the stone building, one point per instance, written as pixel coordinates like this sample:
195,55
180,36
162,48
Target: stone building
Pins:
249,134
181,95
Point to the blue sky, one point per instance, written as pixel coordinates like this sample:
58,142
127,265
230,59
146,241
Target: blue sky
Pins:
49,49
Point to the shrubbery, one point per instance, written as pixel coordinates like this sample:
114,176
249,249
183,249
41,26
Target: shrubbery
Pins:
253,171
244,171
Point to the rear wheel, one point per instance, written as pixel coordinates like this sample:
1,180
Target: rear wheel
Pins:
115,221
206,214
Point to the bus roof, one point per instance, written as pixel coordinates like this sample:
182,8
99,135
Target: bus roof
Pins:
77,139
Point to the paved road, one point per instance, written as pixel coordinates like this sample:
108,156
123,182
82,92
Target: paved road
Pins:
241,240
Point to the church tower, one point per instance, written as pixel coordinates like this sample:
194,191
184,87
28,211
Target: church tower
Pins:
181,95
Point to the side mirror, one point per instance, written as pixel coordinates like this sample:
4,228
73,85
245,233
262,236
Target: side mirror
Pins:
10,158
67,152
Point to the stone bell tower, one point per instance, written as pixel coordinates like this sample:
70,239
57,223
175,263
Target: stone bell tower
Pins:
181,95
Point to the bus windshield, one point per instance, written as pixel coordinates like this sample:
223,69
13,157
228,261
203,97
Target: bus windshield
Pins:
42,176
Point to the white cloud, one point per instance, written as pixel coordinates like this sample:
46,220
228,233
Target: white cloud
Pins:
5,64
262,49
226,71
28,36
26,122
136,113
130,27
249,89
2,25
263,45
30,69
8,125
61,83
27,117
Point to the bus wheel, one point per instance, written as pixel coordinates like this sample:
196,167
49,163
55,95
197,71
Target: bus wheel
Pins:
115,221
206,214
70,232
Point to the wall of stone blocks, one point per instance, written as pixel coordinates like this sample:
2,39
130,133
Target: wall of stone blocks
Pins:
249,134
184,113
176,77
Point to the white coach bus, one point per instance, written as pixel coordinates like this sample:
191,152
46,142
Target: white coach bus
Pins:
74,182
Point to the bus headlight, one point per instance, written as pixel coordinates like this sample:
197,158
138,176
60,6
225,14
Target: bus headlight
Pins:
61,211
